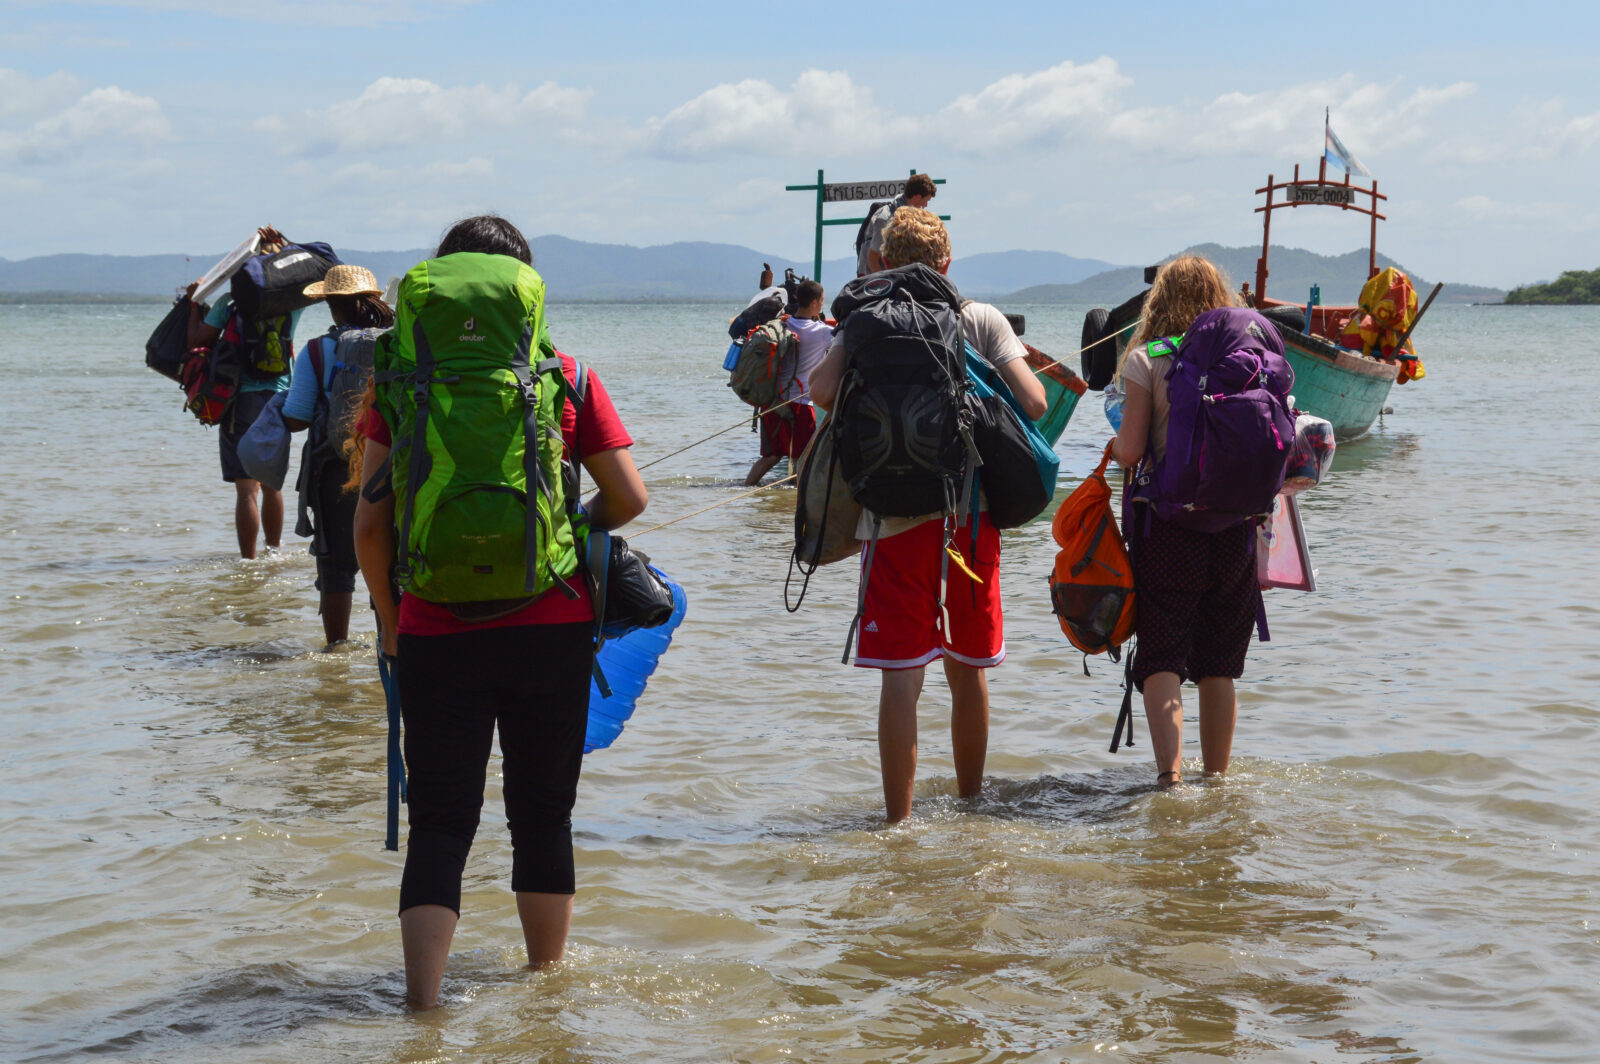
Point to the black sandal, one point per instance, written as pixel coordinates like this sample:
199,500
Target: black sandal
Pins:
1177,778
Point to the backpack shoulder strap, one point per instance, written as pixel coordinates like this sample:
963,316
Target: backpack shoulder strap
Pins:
578,395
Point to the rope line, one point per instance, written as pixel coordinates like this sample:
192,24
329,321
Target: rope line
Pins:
736,425
795,476
713,506
1085,347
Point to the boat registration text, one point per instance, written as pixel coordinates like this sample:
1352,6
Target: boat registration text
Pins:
1321,194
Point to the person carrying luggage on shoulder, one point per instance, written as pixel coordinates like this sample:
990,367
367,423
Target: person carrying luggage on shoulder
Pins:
786,431
271,346
330,374
494,628
916,607
1195,572
918,192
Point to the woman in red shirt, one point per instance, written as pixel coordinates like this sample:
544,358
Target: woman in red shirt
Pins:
526,672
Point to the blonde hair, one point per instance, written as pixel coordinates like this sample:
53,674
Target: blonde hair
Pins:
915,235
1185,288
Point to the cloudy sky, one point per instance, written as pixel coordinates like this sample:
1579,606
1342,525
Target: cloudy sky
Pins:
1114,131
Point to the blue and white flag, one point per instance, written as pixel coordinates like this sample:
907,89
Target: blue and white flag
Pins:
1336,153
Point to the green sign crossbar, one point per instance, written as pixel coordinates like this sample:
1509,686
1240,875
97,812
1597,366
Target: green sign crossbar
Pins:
850,192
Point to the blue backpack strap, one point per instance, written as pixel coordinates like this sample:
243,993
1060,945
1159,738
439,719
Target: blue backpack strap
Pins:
396,758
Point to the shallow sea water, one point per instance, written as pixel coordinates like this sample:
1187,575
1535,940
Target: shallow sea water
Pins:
1401,867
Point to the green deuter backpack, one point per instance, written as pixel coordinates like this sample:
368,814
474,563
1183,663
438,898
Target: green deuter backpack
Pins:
473,392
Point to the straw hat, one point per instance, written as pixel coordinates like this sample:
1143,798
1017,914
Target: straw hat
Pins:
344,280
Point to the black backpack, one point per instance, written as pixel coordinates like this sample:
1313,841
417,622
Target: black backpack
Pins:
903,425
254,348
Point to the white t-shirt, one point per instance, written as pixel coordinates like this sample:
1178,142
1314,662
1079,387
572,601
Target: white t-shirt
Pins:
1139,368
987,330
814,337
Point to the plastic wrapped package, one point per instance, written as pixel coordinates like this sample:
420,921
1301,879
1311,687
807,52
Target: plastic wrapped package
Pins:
1311,454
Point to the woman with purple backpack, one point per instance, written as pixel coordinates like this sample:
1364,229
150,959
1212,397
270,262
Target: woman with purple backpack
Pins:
1192,547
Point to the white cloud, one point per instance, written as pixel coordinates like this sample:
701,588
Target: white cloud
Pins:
1037,108
1541,132
1368,116
824,110
99,118
395,112
1066,106
22,96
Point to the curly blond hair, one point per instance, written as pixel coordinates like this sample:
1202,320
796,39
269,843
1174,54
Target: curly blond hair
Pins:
915,235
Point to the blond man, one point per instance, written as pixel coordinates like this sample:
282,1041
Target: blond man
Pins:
903,627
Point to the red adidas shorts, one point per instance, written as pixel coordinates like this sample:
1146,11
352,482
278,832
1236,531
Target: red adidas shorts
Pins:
785,437
902,626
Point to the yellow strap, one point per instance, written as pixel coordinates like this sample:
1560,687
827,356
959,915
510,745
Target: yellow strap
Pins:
961,563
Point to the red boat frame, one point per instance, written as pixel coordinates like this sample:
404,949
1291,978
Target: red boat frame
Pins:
1320,315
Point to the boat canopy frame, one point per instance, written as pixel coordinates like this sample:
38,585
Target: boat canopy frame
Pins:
1321,180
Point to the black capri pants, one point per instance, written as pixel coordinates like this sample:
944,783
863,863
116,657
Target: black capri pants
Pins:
533,682
1198,596
334,543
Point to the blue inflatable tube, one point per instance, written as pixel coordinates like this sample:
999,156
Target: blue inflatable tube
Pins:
628,662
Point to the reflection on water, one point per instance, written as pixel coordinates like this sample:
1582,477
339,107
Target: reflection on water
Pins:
1401,866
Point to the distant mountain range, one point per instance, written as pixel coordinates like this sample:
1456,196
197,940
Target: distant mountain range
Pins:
573,269
1294,271
576,271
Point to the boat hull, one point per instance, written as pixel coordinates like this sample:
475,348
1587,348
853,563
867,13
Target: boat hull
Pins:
1062,390
1338,384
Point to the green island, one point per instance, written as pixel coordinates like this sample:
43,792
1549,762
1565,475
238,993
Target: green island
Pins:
1573,286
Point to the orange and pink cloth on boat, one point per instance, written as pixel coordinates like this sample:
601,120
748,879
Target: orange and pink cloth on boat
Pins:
1387,307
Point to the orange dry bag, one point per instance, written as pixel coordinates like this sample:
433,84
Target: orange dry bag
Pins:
1091,589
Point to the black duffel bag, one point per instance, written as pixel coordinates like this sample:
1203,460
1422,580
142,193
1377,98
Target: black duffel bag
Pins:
1020,468
627,593
271,285
168,345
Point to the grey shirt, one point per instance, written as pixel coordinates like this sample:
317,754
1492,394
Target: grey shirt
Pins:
876,224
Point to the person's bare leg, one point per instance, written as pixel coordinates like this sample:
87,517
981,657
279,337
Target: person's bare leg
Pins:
425,933
762,467
1163,708
1219,711
272,517
246,517
897,739
969,724
545,920
335,609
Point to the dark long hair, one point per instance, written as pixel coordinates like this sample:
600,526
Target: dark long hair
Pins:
487,234
361,312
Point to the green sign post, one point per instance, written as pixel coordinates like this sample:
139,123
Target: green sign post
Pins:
849,192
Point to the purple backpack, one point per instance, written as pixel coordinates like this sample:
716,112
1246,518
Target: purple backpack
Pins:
1230,426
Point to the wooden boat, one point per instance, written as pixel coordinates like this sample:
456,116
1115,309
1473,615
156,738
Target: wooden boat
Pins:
1331,381
1062,390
